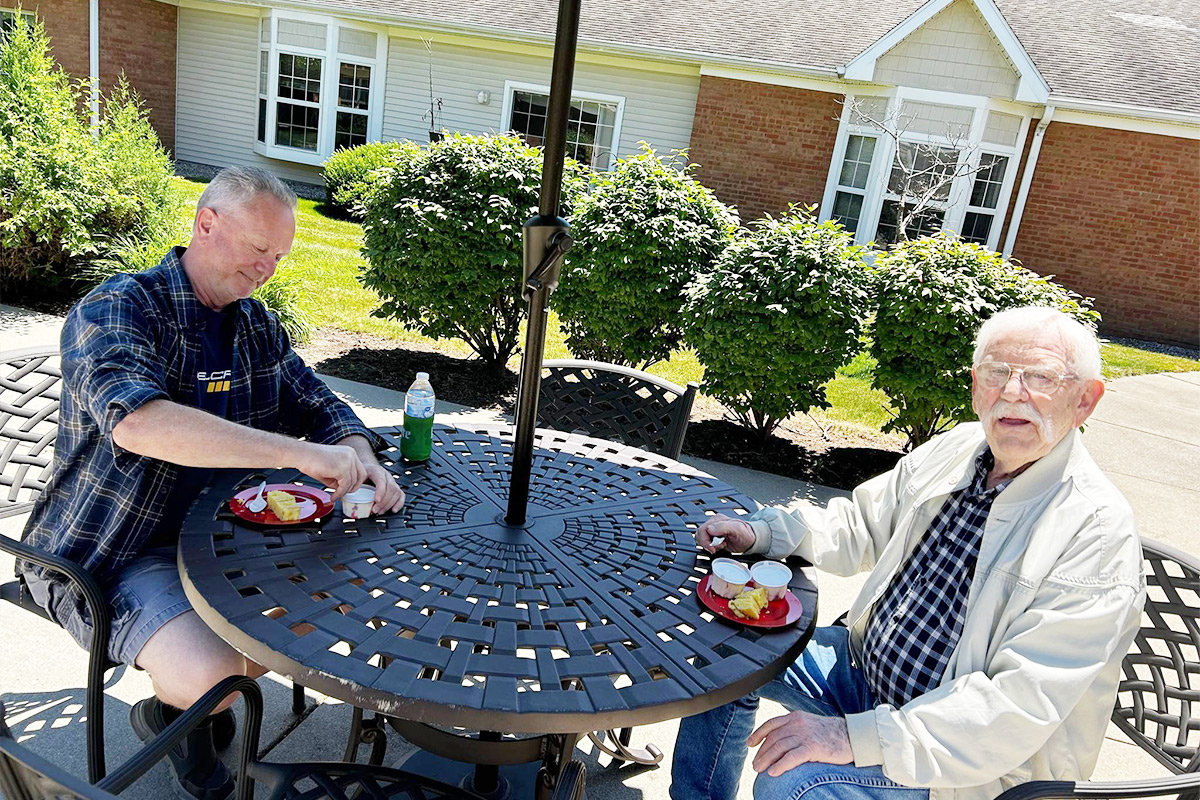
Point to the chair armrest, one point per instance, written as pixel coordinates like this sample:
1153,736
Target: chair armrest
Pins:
97,645
76,574
1188,783
160,745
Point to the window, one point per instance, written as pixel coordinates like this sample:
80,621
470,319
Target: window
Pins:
852,181
318,84
986,189
8,20
920,178
593,123
929,161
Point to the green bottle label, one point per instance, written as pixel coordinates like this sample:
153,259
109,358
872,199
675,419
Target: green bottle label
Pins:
417,443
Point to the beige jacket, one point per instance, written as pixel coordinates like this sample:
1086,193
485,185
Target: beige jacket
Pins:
1054,606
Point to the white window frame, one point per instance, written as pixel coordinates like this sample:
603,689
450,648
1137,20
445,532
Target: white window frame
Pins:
885,152
331,61
511,87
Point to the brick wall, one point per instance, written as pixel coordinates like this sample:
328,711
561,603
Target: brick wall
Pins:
136,36
1114,214
761,147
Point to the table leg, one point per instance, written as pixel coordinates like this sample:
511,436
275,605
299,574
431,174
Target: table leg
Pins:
370,732
486,780
616,745
559,748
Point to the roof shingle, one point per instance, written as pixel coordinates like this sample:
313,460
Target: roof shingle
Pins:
1134,52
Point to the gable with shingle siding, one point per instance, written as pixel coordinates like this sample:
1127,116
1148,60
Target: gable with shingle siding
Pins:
953,52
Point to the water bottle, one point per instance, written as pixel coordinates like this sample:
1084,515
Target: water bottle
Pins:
418,420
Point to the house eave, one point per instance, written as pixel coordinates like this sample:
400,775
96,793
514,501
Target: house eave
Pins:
1126,110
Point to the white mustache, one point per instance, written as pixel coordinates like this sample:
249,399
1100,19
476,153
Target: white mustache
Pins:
1004,408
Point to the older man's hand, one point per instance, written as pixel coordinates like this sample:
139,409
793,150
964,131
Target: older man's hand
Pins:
389,497
732,534
799,738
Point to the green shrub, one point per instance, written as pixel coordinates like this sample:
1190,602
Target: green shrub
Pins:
281,295
934,293
777,317
347,171
50,178
643,232
69,199
138,170
442,237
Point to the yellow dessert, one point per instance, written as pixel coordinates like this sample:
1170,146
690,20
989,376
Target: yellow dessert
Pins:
283,505
750,603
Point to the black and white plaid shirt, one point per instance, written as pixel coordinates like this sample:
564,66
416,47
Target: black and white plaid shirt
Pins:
917,621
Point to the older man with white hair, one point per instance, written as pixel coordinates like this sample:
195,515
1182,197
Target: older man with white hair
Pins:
167,375
1005,587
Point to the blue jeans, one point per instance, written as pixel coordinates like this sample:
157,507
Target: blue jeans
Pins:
711,747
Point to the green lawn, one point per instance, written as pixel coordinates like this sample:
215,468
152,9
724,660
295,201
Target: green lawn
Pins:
326,257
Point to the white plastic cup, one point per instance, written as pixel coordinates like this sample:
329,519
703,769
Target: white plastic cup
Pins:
729,577
772,576
357,504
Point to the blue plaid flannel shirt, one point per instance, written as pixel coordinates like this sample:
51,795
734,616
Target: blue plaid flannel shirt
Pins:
137,338
919,618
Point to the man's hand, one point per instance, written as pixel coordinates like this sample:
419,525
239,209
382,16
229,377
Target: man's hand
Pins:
389,497
799,738
335,465
737,535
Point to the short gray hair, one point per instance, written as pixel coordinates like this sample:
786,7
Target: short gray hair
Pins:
1083,348
237,186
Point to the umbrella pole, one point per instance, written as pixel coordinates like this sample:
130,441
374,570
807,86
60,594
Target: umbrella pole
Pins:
545,240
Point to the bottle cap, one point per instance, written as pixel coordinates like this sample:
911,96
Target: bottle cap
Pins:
422,376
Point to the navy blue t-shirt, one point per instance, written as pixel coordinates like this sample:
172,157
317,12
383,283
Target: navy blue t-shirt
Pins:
212,383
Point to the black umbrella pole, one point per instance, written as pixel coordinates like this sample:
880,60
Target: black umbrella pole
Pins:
545,241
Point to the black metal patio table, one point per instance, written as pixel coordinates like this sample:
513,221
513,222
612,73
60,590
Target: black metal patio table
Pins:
444,617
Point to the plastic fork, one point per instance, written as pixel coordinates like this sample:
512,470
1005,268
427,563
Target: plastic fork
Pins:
256,504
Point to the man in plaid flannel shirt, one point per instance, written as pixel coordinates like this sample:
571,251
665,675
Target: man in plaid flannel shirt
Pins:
985,646
168,374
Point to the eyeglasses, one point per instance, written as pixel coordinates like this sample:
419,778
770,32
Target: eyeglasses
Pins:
1044,380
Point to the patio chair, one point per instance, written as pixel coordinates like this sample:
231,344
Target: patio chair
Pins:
1158,699
24,774
621,404
30,383
618,403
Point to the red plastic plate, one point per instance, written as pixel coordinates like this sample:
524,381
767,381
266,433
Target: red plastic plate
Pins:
313,503
778,613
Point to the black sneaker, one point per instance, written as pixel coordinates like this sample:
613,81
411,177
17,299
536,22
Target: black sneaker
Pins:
224,726
194,763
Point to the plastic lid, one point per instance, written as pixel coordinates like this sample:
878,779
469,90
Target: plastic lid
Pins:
422,376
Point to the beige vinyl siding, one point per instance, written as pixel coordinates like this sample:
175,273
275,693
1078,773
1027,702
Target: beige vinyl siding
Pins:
216,114
954,52
659,107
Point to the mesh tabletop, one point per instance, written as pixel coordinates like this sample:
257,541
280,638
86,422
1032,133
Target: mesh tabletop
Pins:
584,618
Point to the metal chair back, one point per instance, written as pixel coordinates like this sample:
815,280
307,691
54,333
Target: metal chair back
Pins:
1158,700
30,382
618,403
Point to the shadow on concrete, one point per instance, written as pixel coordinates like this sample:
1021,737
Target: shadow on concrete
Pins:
53,725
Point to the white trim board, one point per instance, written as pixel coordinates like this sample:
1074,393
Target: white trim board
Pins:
1032,87
1156,127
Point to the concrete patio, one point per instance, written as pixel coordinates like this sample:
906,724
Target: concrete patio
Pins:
1146,434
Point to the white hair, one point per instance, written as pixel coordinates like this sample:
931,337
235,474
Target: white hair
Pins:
1083,348
238,186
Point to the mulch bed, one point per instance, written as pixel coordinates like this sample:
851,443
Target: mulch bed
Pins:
799,449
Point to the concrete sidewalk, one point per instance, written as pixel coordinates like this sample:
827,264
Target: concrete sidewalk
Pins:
1146,434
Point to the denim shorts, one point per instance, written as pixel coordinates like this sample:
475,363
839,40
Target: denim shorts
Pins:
145,595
